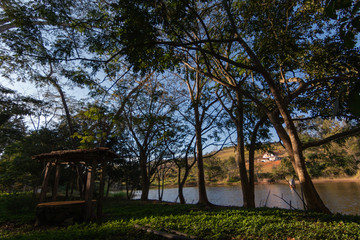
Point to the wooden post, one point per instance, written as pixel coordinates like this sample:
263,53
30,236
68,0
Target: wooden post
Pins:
45,181
56,183
89,189
101,187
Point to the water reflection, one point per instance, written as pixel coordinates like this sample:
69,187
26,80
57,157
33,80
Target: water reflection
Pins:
340,197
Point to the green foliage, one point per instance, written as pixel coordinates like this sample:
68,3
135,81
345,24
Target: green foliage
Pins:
12,109
335,159
285,169
204,223
256,224
347,13
18,169
108,230
19,202
94,125
17,207
214,169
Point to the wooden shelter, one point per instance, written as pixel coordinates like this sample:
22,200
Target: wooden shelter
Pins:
92,159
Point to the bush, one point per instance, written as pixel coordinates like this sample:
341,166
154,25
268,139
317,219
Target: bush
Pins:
19,202
118,195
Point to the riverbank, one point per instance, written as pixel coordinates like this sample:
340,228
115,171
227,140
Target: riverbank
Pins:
269,181
156,220
341,179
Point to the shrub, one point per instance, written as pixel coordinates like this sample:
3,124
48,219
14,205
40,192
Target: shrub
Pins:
19,202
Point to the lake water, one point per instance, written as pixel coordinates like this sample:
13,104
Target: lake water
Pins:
339,197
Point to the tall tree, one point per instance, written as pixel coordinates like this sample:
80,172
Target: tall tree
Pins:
276,51
206,110
149,124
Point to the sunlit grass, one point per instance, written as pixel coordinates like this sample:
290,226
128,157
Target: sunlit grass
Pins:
121,216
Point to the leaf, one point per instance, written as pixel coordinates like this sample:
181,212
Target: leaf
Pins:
354,100
349,39
356,23
330,9
342,4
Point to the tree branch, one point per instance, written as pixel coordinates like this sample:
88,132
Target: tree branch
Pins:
337,136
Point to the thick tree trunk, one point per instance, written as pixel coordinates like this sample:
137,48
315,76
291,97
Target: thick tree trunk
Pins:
248,195
313,200
145,182
240,156
292,145
251,162
199,156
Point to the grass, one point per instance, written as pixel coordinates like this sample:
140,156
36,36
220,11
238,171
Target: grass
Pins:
202,222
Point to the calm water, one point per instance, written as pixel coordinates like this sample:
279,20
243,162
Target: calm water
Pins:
339,197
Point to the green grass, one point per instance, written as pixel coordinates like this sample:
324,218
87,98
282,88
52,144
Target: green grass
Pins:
205,223
17,207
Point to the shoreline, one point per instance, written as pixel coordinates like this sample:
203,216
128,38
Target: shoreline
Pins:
341,179
267,181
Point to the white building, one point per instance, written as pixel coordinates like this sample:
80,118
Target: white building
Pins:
269,156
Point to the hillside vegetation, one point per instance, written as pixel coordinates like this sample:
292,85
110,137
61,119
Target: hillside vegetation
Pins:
334,160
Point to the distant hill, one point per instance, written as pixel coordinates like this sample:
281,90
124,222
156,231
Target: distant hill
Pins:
263,167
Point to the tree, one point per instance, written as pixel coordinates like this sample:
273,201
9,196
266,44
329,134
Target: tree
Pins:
18,169
149,124
13,109
36,51
206,110
213,169
274,51
248,122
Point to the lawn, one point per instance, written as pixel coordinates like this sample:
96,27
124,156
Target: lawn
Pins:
201,222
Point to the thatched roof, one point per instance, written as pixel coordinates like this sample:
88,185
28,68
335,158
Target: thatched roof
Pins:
78,155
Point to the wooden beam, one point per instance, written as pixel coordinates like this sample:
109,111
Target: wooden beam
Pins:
101,188
56,183
89,189
45,181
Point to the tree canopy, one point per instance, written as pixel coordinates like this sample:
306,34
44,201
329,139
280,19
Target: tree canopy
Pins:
282,61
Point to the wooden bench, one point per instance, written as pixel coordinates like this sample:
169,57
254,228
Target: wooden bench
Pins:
59,212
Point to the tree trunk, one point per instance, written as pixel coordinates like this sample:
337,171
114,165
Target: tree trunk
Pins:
180,186
161,184
292,145
66,109
181,194
313,200
108,189
145,183
182,183
72,190
240,157
199,156
144,190
248,199
251,163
